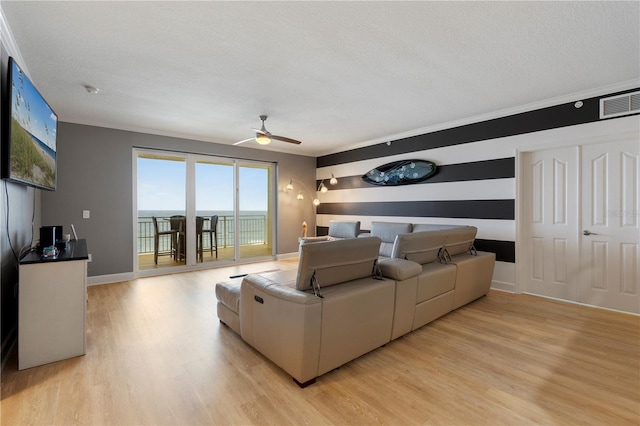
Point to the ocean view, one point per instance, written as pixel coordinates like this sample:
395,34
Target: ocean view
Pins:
253,227
205,213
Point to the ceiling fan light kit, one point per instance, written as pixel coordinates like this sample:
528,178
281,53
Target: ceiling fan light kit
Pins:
264,137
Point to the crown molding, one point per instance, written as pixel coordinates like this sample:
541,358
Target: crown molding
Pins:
586,94
9,43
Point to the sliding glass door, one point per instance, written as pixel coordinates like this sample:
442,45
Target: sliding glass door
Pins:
161,210
256,197
195,210
215,201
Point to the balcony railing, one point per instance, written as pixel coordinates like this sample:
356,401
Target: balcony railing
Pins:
253,230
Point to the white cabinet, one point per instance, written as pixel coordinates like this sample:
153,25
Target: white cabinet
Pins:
52,304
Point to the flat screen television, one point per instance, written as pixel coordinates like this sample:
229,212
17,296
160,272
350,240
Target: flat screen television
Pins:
29,130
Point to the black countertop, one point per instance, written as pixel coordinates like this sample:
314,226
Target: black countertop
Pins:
77,250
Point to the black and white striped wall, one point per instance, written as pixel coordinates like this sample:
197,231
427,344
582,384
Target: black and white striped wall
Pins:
475,183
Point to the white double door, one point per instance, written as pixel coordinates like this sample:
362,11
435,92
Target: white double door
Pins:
580,231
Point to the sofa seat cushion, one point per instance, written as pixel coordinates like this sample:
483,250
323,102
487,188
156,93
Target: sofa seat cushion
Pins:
435,279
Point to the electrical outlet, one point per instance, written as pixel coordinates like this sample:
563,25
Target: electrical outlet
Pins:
86,214
89,258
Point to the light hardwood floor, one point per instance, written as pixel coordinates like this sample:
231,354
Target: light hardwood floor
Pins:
145,261
156,354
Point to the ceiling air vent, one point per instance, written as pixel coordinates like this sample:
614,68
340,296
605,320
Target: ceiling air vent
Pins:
616,106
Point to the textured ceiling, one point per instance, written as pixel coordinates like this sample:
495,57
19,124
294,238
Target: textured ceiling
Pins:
335,75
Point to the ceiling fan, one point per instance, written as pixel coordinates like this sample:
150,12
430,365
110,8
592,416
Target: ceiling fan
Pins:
264,137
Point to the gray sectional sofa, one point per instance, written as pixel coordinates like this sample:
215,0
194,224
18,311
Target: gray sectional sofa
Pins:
351,296
436,269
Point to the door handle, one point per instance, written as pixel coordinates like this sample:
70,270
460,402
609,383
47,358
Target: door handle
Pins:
587,232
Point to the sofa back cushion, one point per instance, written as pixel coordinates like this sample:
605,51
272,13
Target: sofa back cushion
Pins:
460,240
335,262
422,227
343,229
387,232
419,247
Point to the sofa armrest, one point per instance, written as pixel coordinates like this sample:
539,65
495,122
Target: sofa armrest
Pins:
399,269
304,240
283,324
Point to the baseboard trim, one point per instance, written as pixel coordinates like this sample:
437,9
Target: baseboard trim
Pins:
581,304
109,279
286,256
503,286
128,276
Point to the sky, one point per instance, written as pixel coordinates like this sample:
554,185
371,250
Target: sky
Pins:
162,186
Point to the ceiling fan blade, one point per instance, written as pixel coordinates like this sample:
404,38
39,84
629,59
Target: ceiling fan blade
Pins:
245,140
283,139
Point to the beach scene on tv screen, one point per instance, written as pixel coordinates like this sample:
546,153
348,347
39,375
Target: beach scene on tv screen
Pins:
33,133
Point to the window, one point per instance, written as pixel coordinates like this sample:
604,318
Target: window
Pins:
187,214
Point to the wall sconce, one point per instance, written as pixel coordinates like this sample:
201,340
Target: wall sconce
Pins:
321,188
333,180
